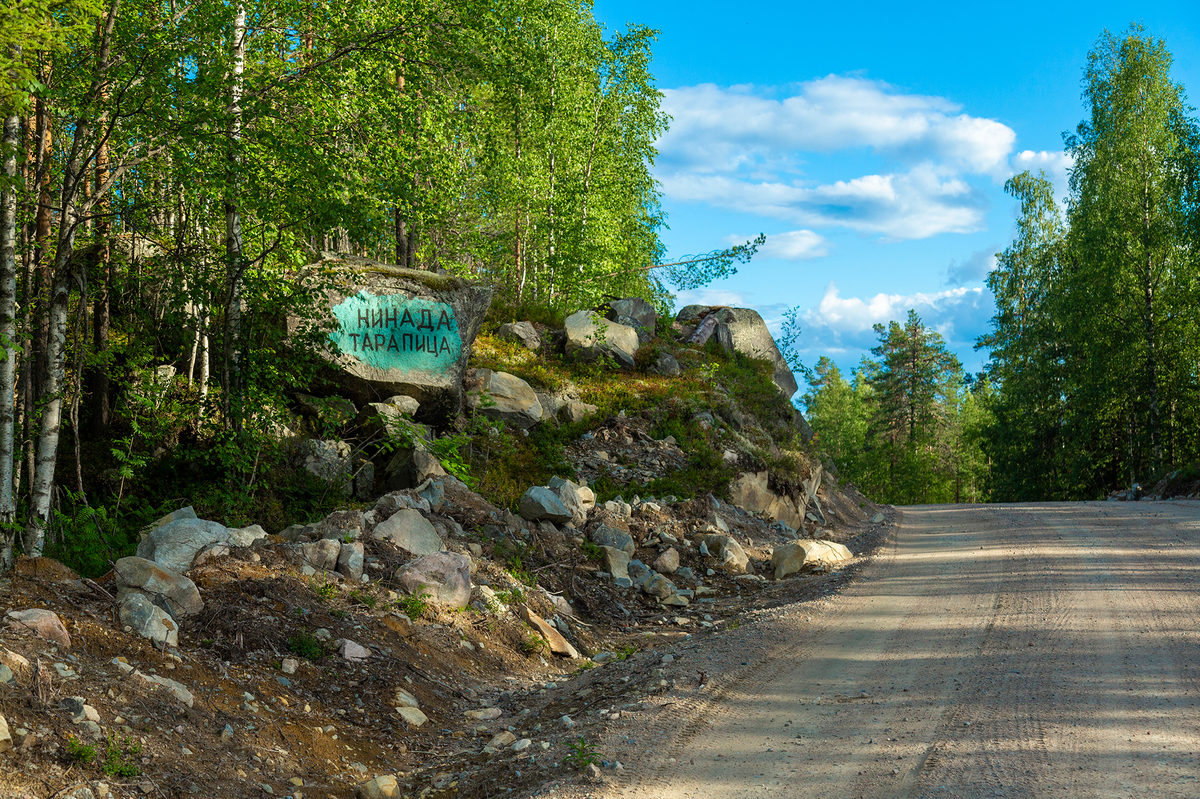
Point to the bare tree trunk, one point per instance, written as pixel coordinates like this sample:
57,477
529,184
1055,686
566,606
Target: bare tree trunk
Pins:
231,376
100,383
8,333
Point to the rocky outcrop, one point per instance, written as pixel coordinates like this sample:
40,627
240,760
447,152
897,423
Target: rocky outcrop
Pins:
752,492
738,330
636,313
404,331
590,337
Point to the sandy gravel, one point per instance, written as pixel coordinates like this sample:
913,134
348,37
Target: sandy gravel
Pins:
989,651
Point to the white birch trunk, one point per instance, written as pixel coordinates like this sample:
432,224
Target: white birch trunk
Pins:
8,334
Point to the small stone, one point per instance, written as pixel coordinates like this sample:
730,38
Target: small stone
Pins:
499,740
354,652
289,665
483,714
567,722
593,771
414,716
44,623
227,733
522,744
405,699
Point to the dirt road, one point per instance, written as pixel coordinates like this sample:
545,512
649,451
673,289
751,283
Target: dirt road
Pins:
1009,651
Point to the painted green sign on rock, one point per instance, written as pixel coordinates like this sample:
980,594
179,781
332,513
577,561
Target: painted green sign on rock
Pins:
397,332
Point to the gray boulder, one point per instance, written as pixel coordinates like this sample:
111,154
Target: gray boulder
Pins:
506,398
321,555
606,536
541,504
636,313
590,337
167,588
148,620
578,499
403,331
667,562
409,530
575,411
247,536
751,491
617,562
175,545
350,561
444,576
341,525
523,333
727,550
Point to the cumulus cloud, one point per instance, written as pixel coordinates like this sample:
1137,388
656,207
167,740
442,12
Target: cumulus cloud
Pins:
744,148
723,129
840,324
911,205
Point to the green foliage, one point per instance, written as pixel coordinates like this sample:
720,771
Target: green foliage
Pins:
415,606
581,754
592,551
514,596
80,752
306,646
364,599
325,589
533,644
118,754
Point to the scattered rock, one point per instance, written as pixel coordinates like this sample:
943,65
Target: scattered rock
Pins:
247,536
590,337
523,333
45,623
321,555
353,652
412,716
411,531
558,644
666,365
499,741
350,561
445,576
734,559
617,562
384,787
541,504
607,536
578,499
403,698
330,461
175,592
6,742
751,492
148,620
667,562
175,545
573,411
483,714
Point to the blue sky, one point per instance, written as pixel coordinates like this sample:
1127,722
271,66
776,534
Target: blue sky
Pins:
870,142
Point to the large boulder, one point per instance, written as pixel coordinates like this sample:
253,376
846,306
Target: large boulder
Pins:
606,536
804,554
411,531
590,337
740,330
404,331
166,588
445,577
557,643
174,546
506,398
328,460
727,550
636,313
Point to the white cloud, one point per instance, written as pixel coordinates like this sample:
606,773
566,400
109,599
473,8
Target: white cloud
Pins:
723,129
793,245
911,205
840,324
711,296
745,149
